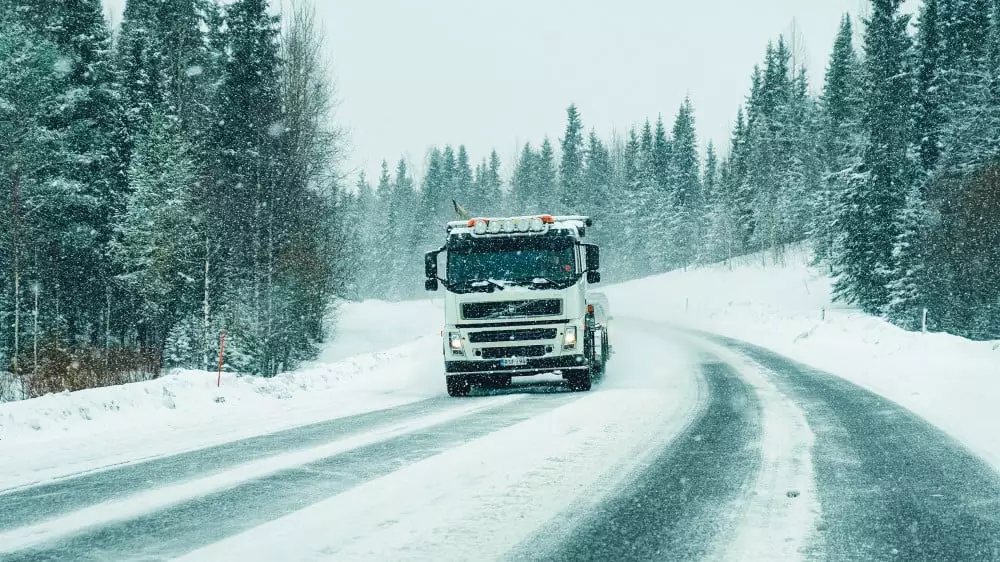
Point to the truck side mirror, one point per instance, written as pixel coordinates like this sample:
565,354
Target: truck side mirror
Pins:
431,284
593,257
431,264
593,277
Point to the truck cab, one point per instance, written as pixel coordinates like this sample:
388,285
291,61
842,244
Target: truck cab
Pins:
518,301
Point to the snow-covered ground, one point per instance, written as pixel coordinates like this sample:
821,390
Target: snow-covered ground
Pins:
783,304
381,359
388,354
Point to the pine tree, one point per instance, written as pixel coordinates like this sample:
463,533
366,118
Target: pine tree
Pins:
435,208
157,243
650,247
597,174
28,90
630,198
449,174
877,192
141,71
493,186
710,178
597,188
402,252
840,137
383,264
908,283
546,177
711,196
367,239
661,156
571,198
801,177
687,195
737,185
463,191
525,194
929,119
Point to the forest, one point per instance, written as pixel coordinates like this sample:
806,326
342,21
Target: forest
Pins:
183,175
161,185
889,173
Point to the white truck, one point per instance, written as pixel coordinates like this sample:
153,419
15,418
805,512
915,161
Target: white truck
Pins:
518,301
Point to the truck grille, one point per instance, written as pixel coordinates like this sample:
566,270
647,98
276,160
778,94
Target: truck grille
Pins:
513,335
511,309
521,351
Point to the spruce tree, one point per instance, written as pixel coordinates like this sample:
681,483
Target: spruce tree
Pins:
929,119
711,195
368,239
909,279
28,90
403,252
384,237
710,177
738,186
435,208
877,192
661,156
632,200
83,192
463,191
840,137
687,195
597,188
571,198
493,186
525,196
548,195
650,247
157,240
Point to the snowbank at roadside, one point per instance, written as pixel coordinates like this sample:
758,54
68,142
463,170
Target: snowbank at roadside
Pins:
369,326
785,305
64,433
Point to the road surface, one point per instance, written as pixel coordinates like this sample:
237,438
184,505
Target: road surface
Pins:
693,447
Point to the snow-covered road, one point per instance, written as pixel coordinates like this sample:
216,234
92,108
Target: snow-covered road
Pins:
714,450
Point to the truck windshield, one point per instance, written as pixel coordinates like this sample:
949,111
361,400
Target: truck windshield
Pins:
485,263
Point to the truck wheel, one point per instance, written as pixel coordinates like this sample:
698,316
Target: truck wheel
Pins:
580,381
459,386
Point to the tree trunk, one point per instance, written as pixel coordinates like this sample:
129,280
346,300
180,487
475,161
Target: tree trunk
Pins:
270,291
16,263
205,307
34,333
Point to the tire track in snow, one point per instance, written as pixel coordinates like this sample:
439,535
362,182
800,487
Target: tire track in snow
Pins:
173,530
31,504
891,485
678,505
778,517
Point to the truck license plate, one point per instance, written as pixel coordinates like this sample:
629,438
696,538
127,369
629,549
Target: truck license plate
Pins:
514,362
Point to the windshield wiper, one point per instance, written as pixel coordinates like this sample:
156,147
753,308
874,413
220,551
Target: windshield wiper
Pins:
474,284
539,280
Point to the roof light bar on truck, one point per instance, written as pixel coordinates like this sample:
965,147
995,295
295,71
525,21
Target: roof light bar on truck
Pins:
509,225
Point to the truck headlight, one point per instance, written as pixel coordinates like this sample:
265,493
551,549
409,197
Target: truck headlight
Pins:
455,342
569,338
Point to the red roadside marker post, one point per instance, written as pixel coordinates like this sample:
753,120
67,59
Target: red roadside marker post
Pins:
222,355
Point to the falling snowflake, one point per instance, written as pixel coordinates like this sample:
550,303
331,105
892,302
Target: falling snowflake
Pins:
63,65
276,129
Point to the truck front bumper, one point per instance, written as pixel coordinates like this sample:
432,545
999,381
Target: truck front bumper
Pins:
535,366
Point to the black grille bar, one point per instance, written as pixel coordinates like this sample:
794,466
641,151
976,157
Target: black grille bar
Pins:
511,309
513,335
521,351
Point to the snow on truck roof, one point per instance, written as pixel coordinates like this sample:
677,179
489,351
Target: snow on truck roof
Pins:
531,224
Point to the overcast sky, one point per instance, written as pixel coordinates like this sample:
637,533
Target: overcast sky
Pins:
497,74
